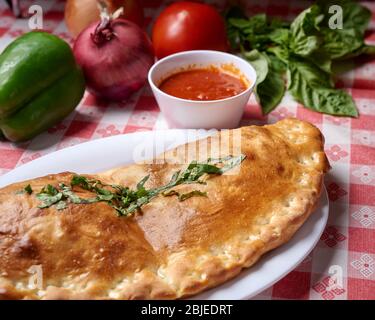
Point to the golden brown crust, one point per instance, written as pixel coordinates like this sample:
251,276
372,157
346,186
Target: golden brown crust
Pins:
173,249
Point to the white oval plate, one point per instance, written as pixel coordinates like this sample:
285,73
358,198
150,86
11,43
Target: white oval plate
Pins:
98,155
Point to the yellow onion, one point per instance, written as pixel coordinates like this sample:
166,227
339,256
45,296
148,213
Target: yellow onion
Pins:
79,14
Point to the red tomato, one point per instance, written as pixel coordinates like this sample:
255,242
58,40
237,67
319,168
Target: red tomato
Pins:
188,26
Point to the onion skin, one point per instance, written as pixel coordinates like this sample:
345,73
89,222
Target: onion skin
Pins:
79,14
115,68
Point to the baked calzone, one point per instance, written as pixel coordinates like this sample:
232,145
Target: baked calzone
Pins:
164,229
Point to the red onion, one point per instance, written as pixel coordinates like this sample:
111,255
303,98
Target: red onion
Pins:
115,56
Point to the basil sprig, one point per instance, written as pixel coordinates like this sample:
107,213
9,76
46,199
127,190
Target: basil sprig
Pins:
125,200
304,53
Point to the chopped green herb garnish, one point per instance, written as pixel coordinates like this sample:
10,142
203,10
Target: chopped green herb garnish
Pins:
69,194
28,189
49,200
49,196
184,196
170,193
125,200
61,205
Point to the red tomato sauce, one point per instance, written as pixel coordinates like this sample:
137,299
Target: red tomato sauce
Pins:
203,84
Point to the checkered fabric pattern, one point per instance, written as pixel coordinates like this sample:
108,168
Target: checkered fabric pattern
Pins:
348,240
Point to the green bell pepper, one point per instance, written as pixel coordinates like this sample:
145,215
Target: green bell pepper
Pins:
40,84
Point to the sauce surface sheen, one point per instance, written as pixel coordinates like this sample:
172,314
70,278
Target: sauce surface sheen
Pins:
203,84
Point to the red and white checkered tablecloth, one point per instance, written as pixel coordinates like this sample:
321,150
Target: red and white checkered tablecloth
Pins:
349,239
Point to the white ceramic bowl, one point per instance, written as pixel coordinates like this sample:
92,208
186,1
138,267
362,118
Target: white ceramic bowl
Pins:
190,114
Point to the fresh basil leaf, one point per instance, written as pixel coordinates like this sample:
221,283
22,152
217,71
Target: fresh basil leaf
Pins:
311,87
252,33
241,23
48,200
271,91
322,60
308,72
310,43
282,54
304,31
280,36
338,43
255,24
270,87
364,49
276,64
259,62
356,16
